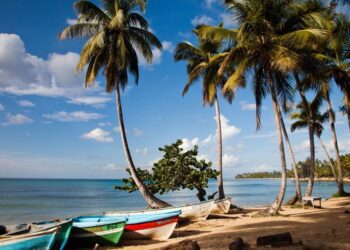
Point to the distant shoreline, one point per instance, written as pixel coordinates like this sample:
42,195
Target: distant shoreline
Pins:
323,179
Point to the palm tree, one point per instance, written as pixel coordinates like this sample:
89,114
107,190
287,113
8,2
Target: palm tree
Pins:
204,62
297,196
335,66
311,118
338,55
114,34
269,36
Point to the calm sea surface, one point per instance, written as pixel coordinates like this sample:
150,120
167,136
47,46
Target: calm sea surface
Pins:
25,200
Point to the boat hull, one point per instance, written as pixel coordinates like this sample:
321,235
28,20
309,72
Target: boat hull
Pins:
106,234
195,212
62,235
160,229
43,240
221,206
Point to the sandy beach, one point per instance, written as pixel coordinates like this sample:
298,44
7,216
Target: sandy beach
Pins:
320,228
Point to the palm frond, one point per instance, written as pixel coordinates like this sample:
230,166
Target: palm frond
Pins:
80,30
89,12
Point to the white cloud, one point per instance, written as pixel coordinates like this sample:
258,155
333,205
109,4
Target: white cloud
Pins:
227,129
142,151
168,46
207,140
25,103
203,157
151,163
189,144
112,167
98,134
247,106
90,100
202,19
25,74
229,160
105,124
2,107
262,168
76,116
17,119
343,145
71,21
137,132
260,136
116,129
303,146
209,3
157,58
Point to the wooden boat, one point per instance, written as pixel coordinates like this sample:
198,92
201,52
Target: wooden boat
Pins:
157,226
23,236
194,212
62,235
89,230
221,206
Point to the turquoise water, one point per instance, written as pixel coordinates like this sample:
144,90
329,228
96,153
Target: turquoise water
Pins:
25,200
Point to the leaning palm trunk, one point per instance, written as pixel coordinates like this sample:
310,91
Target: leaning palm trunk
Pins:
310,183
151,200
275,207
218,124
328,158
340,183
297,196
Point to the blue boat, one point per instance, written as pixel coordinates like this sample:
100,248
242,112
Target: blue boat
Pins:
23,237
63,234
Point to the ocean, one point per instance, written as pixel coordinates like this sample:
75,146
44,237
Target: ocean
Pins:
27,200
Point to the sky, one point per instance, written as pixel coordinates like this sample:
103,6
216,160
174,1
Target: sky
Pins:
53,127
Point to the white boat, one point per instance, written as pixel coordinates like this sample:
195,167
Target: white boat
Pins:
221,206
194,212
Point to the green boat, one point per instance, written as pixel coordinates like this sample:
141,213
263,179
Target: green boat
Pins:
87,231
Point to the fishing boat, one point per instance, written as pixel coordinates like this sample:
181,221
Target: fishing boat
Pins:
221,206
23,236
89,230
155,226
62,235
194,212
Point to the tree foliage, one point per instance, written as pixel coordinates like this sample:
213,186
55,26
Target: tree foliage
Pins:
322,169
178,169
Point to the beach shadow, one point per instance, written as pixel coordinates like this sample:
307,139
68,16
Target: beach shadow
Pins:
185,233
221,216
138,242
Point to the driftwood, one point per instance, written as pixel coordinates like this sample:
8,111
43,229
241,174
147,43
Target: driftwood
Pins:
276,240
184,245
237,244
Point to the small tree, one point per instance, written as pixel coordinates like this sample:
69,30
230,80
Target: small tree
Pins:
178,169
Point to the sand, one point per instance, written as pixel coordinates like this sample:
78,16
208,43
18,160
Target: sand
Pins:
320,228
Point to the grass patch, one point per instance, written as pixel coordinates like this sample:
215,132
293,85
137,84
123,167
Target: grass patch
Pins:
337,195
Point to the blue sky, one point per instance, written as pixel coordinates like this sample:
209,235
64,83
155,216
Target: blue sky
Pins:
51,127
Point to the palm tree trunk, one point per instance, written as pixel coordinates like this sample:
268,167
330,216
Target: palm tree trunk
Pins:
218,124
328,158
347,107
152,201
294,163
275,207
340,183
311,136
310,184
